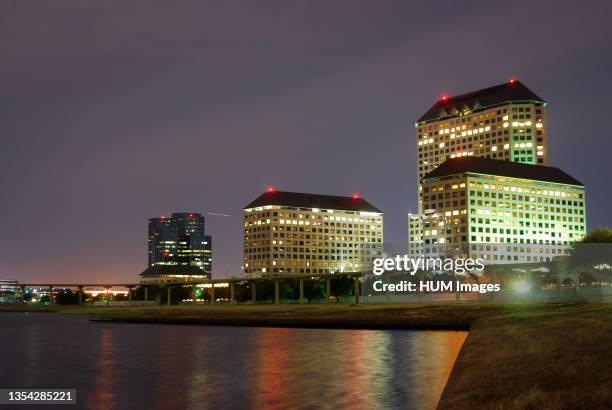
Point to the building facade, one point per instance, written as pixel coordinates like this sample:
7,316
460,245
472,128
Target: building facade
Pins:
180,240
288,233
8,286
501,211
504,122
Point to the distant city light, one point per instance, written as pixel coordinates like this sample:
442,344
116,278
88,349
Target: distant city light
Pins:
216,285
96,293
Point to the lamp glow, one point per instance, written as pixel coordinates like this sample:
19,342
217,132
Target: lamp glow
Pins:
522,286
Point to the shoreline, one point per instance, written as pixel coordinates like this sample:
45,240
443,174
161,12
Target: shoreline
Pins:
294,316
289,323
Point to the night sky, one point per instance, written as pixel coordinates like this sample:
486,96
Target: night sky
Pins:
112,112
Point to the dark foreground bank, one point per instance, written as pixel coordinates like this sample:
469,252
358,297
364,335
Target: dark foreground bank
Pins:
318,316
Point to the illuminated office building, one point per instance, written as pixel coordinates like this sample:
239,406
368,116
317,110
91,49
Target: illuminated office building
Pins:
504,122
8,286
180,240
502,211
287,233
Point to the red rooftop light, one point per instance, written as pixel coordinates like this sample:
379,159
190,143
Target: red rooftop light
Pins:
444,97
355,196
512,80
270,188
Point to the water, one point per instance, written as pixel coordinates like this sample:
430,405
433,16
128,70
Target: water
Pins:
136,366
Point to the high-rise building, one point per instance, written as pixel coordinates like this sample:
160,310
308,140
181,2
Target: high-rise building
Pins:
504,122
180,240
501,211
289,233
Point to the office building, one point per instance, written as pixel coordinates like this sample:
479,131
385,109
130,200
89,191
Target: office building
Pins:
8,286
501,211
415,233
504,122
288,233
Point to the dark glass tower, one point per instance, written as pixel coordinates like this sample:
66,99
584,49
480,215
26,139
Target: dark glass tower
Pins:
180,240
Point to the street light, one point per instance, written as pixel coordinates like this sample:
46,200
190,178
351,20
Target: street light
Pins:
522,286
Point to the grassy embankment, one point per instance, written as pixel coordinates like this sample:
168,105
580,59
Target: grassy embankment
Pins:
515,356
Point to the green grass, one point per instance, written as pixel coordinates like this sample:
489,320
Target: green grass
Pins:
535,358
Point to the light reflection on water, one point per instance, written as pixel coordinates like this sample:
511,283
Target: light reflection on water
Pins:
163,367
103,392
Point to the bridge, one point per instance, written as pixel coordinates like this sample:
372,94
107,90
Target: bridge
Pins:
212,284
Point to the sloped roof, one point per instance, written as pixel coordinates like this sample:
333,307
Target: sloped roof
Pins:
488,166
481,99
300,200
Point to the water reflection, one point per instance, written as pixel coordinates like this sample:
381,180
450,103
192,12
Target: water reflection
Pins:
103,396
357,368
201,371
161,367
167,368
272,351
32,353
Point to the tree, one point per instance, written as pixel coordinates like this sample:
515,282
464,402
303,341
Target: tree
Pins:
66,297
342,286
592,257
243,292
178,293
289,289
314,290
601,235
154,292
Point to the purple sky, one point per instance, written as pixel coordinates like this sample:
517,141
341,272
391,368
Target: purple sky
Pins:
112,112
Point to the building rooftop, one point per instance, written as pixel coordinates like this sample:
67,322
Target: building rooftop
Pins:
512,90
299,200
488,166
